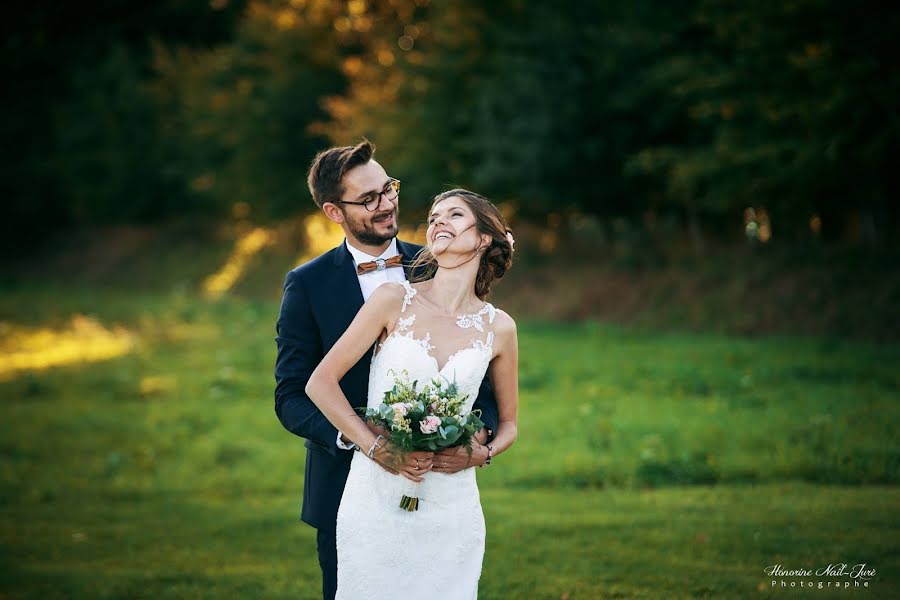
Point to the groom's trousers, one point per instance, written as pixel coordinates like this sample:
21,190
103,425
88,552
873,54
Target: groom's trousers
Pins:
327,545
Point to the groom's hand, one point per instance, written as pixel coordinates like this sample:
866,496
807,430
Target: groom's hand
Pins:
455,459
481,436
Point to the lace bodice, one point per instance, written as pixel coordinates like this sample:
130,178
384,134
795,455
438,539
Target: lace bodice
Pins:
427,344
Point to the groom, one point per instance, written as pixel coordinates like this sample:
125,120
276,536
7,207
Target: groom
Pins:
320,300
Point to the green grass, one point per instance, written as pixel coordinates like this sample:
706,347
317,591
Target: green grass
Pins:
648,465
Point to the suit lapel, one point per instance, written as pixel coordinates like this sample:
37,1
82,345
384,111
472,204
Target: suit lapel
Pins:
346,283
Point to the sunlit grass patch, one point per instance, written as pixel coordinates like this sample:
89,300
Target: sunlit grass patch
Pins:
248,246
84,340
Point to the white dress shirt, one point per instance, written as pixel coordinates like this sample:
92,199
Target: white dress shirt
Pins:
367,284
371,280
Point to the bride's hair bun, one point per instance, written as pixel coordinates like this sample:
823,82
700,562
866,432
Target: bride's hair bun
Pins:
494,264
497,258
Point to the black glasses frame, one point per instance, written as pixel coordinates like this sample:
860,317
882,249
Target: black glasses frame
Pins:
374,199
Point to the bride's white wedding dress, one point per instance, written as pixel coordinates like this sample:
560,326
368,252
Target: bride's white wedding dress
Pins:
436,551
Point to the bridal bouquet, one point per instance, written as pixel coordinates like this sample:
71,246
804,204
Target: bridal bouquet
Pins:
429,419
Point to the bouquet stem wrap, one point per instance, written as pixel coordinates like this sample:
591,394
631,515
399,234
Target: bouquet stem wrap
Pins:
410,500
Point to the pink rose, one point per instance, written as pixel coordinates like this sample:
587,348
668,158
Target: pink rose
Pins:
429,424
400,407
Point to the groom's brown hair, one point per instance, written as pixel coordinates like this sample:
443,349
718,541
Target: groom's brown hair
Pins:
328,168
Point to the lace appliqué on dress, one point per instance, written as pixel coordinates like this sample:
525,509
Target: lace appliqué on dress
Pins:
410,292
404,324
486,346
404,329
475,320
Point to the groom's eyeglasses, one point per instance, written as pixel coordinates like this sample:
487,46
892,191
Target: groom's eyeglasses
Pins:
373,199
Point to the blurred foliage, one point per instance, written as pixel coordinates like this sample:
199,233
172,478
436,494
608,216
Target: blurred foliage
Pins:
695,108
241,112
82,130
612,108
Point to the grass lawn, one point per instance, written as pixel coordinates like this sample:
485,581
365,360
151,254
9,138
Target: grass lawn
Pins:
649,465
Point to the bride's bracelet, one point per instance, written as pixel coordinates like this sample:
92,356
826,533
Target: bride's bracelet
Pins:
371,452
490,457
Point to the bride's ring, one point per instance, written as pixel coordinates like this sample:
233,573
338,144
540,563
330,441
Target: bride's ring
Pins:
417,464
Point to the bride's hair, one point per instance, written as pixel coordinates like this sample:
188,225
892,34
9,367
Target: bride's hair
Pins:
497,257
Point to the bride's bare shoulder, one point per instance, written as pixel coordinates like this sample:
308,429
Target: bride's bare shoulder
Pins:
387,294
386,302
504,325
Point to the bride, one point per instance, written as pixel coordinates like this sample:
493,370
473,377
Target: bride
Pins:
437,327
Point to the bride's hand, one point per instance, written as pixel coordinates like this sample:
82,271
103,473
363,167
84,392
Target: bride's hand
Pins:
385,434
412,465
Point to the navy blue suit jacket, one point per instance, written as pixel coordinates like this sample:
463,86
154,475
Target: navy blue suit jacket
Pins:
320,300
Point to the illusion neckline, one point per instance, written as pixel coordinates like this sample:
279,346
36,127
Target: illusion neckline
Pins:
431,307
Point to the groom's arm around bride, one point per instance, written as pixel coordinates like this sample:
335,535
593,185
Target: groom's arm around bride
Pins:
301,351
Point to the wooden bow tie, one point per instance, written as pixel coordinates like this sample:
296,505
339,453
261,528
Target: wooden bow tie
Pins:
379,264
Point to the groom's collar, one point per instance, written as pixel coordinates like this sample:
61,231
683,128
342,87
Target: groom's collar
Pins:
405,249
360,257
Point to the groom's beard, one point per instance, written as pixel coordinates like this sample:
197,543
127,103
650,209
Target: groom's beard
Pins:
366,233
